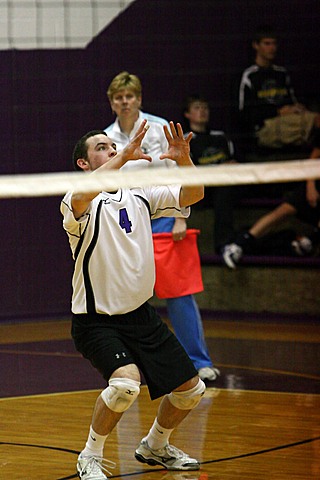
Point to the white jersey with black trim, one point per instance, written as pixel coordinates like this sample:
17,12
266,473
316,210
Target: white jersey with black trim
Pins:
153,144
112,247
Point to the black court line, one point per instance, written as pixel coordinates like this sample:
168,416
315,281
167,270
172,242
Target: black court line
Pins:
266,450
46,447
217,460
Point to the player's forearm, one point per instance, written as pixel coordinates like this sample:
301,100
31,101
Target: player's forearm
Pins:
190,194
115,163
81,201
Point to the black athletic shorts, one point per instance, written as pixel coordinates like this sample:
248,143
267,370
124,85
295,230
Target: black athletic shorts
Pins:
138,337
297,197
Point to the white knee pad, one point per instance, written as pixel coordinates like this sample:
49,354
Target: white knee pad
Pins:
120,394
188,399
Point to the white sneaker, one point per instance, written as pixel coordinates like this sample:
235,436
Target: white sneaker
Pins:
169,457
302,246
208,373
91,468
232,254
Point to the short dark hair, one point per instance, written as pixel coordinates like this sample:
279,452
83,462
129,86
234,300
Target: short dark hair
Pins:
264,31
196,97
81,148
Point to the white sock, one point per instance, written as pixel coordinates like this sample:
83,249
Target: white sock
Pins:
94,445
158,436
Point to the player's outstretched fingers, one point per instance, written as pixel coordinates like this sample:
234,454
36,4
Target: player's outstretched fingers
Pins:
173,130
180,131
142,128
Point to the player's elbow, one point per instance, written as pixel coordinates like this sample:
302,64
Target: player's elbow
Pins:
199,194
191,195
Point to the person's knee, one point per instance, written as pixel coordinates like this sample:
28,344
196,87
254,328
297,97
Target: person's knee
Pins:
120,394
284,210
188,399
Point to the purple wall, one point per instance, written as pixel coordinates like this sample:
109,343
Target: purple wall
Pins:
178,47
50,98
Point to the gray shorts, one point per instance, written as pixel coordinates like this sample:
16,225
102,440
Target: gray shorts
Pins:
138,337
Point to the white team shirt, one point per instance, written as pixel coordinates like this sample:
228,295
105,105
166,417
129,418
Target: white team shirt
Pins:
153,144
112,247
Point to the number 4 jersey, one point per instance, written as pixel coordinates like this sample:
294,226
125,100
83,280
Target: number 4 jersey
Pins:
112,247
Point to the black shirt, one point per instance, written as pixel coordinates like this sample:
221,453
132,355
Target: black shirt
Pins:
211,147
262,92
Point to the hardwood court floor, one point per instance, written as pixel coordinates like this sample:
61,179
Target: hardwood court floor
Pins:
260,420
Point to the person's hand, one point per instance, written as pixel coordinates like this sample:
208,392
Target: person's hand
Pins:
179,151
299,108
179,230
179,146
133,150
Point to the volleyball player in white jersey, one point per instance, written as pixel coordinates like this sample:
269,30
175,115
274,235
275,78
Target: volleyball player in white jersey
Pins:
113,325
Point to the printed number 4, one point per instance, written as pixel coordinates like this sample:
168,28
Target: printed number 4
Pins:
124,221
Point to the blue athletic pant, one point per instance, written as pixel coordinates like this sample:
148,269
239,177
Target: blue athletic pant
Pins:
184,314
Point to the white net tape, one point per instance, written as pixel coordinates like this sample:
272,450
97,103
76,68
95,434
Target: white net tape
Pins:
52,184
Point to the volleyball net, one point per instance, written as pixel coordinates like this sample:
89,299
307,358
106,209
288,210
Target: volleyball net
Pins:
53,184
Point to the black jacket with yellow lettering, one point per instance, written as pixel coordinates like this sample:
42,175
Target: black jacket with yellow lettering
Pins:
262,92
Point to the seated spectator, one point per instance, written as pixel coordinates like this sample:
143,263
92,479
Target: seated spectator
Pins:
302,202
270,114
211,147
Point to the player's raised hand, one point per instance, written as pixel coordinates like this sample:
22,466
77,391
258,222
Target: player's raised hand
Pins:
133,150
179,146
